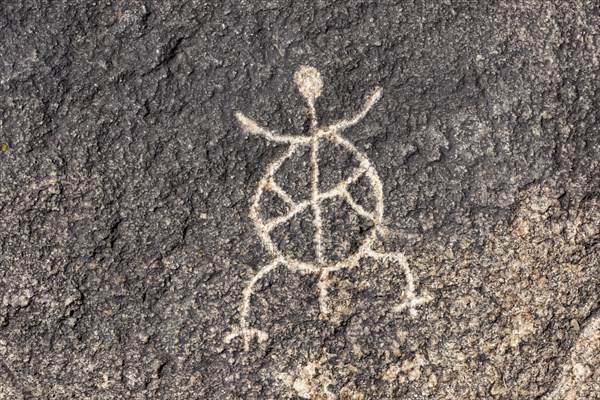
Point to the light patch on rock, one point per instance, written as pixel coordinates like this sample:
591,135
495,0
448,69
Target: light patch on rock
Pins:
580,378
409,370
310,381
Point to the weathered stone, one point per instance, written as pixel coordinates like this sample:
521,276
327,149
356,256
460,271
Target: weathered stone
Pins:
127,243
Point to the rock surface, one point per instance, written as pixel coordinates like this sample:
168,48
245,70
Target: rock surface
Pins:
126,181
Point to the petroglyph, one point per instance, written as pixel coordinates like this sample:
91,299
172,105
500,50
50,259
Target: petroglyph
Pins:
316,206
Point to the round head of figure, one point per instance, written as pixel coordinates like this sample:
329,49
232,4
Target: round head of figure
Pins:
309,82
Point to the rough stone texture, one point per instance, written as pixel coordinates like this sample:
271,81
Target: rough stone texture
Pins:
580,375
125,183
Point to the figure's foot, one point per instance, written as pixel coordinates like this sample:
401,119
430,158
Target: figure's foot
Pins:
247,334
411,304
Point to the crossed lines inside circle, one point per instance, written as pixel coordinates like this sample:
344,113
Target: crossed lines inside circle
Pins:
309,84
266,226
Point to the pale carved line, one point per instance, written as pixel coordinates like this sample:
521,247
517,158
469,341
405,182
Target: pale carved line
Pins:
310,84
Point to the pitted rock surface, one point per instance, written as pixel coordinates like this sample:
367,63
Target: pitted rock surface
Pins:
126,185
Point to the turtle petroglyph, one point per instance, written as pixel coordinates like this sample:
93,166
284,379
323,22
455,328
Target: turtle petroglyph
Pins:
315,203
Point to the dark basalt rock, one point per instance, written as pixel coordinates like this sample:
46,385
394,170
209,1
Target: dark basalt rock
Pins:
126,181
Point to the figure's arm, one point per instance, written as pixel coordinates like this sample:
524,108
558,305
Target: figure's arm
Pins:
369,102
252,127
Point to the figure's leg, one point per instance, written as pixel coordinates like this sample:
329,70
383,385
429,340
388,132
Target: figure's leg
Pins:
324,283
411,300
244,330
323,286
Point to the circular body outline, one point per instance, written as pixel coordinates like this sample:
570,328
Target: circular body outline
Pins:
264,226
